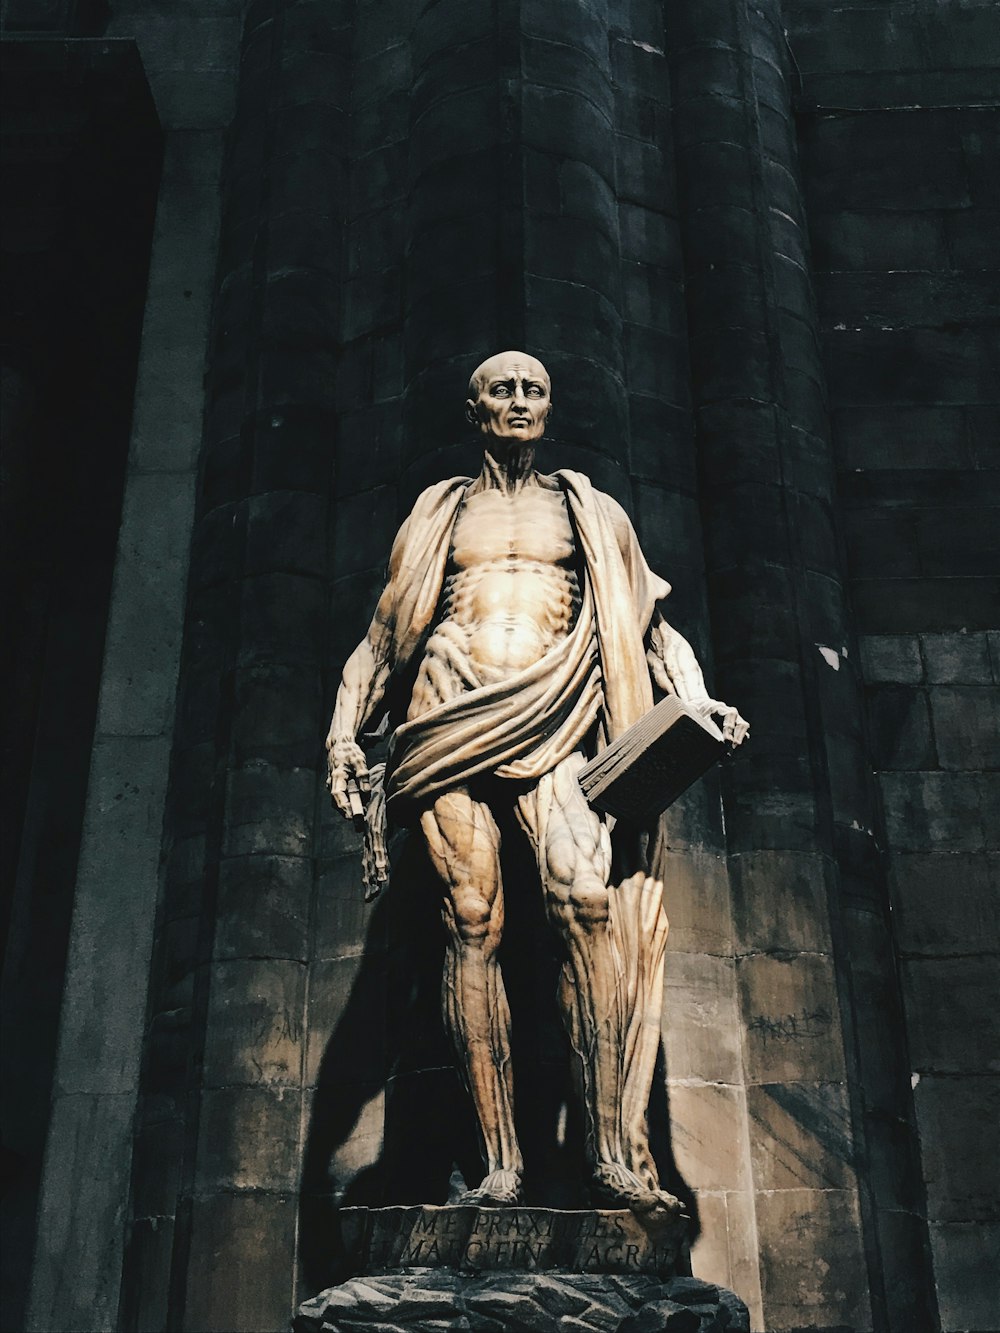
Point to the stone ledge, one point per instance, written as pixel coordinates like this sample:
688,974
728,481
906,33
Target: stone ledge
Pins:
447,1301
476,1239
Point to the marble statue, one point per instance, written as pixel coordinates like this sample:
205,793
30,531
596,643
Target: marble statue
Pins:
521,608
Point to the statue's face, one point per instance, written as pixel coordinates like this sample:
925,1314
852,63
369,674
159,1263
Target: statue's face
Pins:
513,397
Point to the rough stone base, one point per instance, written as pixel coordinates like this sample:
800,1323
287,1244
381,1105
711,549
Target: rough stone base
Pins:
441,1300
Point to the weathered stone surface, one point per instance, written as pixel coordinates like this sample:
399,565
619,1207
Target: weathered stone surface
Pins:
492,1239
700,999
726,1251
934,810
957,659
970,884
961,1186
801,1288
802,1136
452,1302
791,1031
900,722
794,886
707,1121
255,1222
962,1037
965,1255
966,726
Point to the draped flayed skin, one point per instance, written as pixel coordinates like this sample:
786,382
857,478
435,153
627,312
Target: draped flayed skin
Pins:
518,728
523,726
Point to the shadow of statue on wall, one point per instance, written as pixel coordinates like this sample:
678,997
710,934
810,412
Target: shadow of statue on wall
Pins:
428,1147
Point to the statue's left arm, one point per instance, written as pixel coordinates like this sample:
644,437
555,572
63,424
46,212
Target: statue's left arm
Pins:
672,663
676,670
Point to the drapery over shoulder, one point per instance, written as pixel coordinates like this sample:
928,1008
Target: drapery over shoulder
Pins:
419,577
523,726
625,593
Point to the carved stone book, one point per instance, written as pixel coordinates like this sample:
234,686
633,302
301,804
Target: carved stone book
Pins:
653,762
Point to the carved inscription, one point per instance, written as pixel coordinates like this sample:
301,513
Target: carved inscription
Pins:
525,1239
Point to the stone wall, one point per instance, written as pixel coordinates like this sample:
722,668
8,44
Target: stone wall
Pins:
899,133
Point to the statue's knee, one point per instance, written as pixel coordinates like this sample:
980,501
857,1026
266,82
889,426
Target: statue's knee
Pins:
578,853
582,904
470,918
590,903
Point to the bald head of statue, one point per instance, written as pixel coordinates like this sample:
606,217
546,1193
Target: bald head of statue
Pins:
509,397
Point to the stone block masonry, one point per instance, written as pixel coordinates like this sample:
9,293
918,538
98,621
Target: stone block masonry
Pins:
898,134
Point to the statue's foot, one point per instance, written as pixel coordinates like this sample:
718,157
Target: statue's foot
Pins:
500,1189
615,1186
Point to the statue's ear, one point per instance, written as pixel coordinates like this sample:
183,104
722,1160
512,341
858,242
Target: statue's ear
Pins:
470,412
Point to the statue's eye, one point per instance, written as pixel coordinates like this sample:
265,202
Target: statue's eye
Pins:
500,391
534,391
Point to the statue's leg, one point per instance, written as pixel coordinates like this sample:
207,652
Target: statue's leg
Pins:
464,845
606,1008
639,925
574,861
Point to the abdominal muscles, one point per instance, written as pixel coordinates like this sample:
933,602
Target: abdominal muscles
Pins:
498,619
513,613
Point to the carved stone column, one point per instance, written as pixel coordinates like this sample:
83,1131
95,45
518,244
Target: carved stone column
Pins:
512,228
218,1150
826,1080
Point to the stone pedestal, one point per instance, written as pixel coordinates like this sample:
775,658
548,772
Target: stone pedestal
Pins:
503,1270
449,1301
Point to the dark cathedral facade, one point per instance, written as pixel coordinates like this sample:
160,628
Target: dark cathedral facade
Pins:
251,251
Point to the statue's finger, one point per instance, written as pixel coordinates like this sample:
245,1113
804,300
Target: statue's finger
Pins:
338,790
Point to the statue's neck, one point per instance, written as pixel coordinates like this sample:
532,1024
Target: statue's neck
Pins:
509,471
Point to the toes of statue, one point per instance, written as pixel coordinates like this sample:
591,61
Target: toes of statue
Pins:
615,1186
500,1189
656,1205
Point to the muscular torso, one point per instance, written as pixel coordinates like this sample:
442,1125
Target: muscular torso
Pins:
511,591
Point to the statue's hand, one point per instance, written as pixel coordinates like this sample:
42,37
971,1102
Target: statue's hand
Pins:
346,766
734,728
375,858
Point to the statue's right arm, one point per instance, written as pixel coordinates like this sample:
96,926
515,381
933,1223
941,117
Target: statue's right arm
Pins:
362,688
